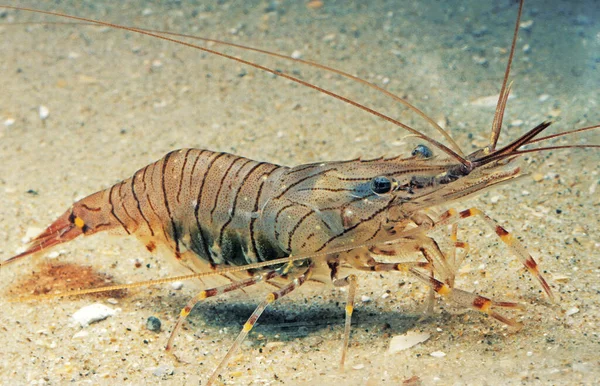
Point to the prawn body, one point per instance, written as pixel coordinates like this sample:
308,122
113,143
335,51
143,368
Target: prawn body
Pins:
289,225
216,209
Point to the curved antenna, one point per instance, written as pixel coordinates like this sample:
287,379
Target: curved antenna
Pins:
540,149
373,86
514,148
504,91
565,133
310,63
437,144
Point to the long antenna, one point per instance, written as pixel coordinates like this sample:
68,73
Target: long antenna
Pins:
503,98
373,86
437,144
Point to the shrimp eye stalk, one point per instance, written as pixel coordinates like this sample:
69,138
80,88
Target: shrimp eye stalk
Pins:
381,185
422,151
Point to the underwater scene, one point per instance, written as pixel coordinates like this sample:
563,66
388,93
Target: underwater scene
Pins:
84,106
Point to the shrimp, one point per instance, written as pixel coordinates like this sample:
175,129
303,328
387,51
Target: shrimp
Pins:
253,222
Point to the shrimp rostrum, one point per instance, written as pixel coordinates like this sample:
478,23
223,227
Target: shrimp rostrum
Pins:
289,225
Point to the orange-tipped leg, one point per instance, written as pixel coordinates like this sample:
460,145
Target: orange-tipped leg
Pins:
214,292
513,244
273,296
468,299
351,282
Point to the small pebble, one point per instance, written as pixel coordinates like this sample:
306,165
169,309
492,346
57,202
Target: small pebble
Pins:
572,311
296,54
554,113
153,324
329,38
163,370
537,177
53,254
438,354
273,345
81,334
92,313
314,4
112,301
44,112
482,61
543,97
365,299
358,366
517,123
529,353
526,24
9,122
177,285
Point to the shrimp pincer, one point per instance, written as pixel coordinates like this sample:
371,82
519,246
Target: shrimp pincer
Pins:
258,222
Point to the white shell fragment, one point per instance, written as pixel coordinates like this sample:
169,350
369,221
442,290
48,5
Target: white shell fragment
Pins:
438,354
177,285
92,313
44,112
572,311
163,370
406,341
81,334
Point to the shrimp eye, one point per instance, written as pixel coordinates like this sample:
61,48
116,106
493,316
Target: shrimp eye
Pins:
381,185
422,151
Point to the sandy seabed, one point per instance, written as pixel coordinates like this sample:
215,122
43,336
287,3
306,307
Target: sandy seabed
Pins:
118,101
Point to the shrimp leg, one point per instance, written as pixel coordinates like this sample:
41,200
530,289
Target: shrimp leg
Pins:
270,298
351,282
452,216
185,311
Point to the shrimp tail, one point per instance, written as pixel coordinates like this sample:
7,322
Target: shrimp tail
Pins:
85,217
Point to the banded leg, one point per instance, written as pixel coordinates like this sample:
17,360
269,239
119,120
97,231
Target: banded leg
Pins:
273,296
351,281
426,246
454,262
376,266
372,265
468,299
451,216
214,292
